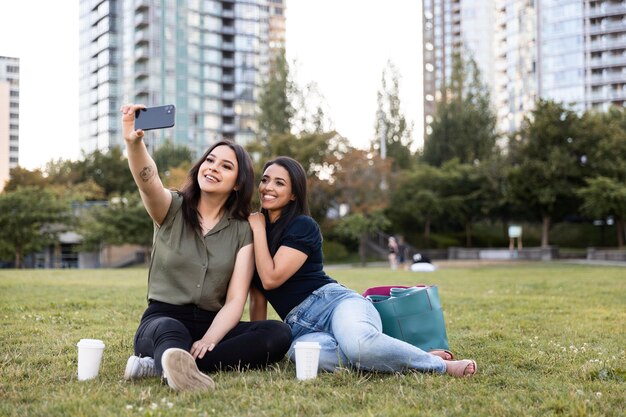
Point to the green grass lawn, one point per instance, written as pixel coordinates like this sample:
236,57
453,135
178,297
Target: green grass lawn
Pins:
549,340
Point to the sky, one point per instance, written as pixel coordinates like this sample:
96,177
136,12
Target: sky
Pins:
342,46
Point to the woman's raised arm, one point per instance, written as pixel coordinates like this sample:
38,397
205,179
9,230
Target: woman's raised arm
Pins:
156,198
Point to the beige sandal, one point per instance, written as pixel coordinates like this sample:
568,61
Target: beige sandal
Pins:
460,368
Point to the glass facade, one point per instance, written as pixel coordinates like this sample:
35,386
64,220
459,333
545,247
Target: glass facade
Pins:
515,88
571,51
441,39
561,51
605,53
9,116
208,57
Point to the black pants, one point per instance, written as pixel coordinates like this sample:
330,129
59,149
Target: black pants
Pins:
248,345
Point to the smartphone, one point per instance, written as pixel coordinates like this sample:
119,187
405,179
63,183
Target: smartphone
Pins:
159,117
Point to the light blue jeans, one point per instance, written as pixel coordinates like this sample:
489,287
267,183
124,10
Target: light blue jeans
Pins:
349,331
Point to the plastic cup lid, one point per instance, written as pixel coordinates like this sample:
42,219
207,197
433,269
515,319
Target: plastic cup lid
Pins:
310,345
90,343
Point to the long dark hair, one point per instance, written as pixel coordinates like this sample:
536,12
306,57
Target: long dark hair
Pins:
297,207
239,200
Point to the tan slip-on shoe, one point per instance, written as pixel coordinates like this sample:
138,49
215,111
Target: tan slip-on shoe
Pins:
182,373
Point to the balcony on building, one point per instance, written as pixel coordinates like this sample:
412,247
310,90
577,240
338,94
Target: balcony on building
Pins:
613,42
141,20
228,95
142,53
607,9
141,6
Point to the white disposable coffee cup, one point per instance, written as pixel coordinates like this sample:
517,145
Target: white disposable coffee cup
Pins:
89,358
307,359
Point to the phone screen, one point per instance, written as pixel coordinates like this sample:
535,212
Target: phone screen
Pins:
159,117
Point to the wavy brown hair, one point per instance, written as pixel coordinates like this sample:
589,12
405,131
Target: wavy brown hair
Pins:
239,200
295,208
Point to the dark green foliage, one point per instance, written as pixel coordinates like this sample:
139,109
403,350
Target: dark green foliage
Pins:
170,156
30,219
123,221
547,164
109,171
274,103
464,125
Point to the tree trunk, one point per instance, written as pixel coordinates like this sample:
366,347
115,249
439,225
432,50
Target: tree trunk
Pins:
427,233
18,258
545,231
362,248
468,235
619,227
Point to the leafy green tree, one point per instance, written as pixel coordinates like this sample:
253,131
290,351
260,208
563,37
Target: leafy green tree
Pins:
603,136
109,170
465,196
547,164
392,129
360,226
22,177
603,197
30,219
465,124
359,179
123,221
64,172
169,155
275,106
417,200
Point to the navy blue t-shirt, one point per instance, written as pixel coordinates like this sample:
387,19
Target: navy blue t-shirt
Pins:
302,234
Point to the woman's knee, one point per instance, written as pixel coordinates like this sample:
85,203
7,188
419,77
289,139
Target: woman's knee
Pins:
277,337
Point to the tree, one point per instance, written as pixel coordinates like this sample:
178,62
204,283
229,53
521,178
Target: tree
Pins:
275,107
359,180
22,177
417,200
169,155
604,139
360,226
547,164
464,125
109,170
123,221
30,219
464,194
603,197
391,127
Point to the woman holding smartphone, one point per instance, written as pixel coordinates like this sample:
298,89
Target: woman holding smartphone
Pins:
290,275
201,269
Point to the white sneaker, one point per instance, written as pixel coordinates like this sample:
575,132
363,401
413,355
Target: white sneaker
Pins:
182,373
137,367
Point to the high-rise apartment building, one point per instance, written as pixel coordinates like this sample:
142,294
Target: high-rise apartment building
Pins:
514,84
208,57
604,29
9,116
277,25
571,51
441,39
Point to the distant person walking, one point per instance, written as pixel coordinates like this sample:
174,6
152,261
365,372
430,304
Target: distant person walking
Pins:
392,244
402,253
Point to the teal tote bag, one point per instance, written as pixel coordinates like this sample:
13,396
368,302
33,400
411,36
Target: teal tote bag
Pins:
412,314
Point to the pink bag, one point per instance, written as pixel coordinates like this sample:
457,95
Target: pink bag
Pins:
386,289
